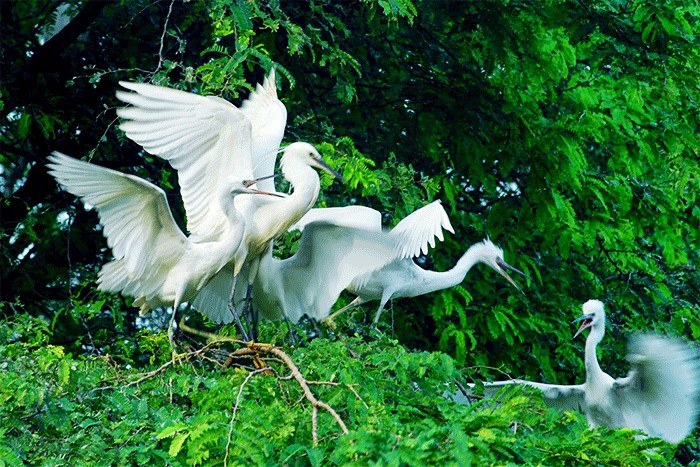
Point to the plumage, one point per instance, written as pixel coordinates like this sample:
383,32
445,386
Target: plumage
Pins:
660,395
154,262
402,277
310,282
209,140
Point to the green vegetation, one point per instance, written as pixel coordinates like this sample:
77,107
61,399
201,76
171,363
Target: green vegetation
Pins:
566,131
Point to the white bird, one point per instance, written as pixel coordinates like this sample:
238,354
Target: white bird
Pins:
383,271
154,262
403,277
660,395
206,138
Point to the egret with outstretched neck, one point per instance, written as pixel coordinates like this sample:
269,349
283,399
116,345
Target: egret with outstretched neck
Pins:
660,395
399,276
403,278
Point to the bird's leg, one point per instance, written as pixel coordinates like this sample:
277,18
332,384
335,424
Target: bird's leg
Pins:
356,302
382,303
290,332
251,318
171,329
236,316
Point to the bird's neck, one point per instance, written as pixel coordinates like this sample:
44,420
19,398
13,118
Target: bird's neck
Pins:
593,370
443,280
305,187
276,217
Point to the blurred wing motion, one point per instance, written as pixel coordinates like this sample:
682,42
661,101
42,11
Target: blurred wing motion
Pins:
661,393
559,396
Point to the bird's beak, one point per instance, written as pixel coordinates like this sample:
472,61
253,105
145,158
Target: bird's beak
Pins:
255,191
253,182
503,267
323,166
250,183
587,321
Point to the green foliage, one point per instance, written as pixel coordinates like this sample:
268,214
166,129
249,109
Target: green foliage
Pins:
58,409
565,131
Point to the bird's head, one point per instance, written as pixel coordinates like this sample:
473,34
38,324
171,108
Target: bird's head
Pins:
593,316
492,256
307,154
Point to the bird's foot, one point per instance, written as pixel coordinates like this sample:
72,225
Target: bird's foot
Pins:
330,323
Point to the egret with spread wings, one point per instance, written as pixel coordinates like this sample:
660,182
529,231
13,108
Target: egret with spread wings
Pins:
401,276
204,140
660,395
154,262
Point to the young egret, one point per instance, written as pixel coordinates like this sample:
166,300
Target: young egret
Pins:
403,277
205,138
154,262
660,395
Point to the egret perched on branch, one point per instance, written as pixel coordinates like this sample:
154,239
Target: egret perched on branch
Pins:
660,395
206,138
154,262
374,269
402,277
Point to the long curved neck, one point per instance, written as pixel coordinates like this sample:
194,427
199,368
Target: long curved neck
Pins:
278,216
443,280
593,371
306,185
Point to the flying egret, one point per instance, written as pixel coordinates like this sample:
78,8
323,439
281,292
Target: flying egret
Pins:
198,135
660,395
403,277
154,262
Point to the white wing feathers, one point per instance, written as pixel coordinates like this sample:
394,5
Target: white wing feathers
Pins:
205,139
135,214
560,396
268,117
661,394
213,299
420,228
328,259
360,217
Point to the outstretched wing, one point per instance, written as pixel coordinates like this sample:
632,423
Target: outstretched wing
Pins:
559,396
359,217
328,259
420,228
137,220
268,117
206,139
661,394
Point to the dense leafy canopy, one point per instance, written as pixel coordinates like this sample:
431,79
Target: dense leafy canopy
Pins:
566,131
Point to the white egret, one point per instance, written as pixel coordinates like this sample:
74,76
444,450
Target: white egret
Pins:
203,139
660,395
310,282
403,277
369,265
154,262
